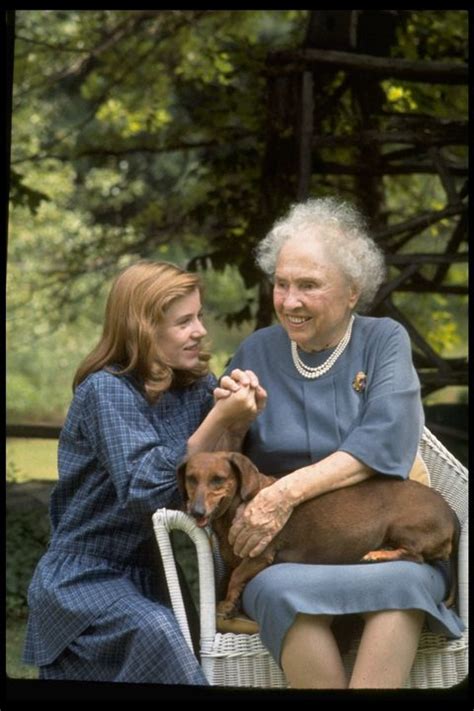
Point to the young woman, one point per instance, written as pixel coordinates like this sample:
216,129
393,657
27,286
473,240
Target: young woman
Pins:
143,399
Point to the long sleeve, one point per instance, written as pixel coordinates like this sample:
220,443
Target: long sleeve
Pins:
115,438
141,461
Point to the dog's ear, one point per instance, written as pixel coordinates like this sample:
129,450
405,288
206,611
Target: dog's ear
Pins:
180,472
248,475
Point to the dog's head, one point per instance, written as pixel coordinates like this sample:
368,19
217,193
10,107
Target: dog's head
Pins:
210,482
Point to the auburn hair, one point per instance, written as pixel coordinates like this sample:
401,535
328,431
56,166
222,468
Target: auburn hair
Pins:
135,307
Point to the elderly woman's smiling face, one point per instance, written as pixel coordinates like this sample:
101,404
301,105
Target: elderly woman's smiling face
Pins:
312,297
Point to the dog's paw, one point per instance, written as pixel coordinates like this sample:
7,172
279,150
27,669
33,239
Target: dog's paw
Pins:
374,557
384,554
226,609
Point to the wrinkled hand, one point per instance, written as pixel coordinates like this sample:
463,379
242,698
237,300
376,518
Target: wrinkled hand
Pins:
258,522
239,408
241,378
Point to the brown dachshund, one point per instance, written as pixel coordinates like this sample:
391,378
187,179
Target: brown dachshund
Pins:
378,519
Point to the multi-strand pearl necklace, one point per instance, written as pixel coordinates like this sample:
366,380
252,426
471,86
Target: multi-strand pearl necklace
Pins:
312,373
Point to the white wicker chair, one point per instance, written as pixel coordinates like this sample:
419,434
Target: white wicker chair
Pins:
230,659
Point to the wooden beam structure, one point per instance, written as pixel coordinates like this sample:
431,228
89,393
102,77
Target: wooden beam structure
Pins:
381,67
305,155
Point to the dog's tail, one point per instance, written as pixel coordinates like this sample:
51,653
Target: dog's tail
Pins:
453,559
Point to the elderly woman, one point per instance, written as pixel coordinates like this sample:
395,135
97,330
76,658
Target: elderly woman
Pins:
343,403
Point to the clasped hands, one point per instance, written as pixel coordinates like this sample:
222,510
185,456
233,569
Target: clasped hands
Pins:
257,522
242,386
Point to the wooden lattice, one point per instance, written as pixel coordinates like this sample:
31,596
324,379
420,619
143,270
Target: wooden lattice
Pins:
302,97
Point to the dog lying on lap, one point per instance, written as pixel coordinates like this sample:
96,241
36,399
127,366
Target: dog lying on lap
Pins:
378,519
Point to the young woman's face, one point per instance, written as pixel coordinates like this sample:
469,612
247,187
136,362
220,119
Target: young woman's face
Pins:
181,332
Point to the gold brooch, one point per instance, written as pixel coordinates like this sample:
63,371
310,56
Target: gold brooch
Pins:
360,382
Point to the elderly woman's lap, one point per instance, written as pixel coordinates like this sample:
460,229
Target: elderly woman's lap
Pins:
280,592
338,584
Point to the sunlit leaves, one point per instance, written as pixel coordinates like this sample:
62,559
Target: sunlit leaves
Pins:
438,35
399,97
141,133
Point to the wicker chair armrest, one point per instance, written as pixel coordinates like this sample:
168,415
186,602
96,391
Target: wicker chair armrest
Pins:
463,572
450,477
164,521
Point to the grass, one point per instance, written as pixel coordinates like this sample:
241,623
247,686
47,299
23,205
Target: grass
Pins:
15,635
29,459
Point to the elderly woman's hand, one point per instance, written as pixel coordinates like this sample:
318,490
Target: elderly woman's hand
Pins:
241,378
238,409
259,521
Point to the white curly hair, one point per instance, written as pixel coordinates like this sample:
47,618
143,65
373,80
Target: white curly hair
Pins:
345,235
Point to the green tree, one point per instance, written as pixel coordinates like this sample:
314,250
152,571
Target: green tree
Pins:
146,134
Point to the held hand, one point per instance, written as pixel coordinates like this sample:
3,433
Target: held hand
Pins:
241,378
258,522
238,408
221,393
260,398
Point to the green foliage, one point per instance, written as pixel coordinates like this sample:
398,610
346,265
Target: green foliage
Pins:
437,35
41,365
21,194
141,134
27,540
127,170
443,321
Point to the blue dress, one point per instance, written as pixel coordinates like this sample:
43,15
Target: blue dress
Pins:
97,601
305,421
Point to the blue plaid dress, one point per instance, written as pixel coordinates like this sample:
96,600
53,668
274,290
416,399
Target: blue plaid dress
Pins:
97,600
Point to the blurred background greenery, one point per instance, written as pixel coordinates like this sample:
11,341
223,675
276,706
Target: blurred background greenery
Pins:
141,134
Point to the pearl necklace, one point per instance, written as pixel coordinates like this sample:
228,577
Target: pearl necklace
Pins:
312,373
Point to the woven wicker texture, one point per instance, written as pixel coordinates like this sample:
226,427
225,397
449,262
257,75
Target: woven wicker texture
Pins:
241,660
